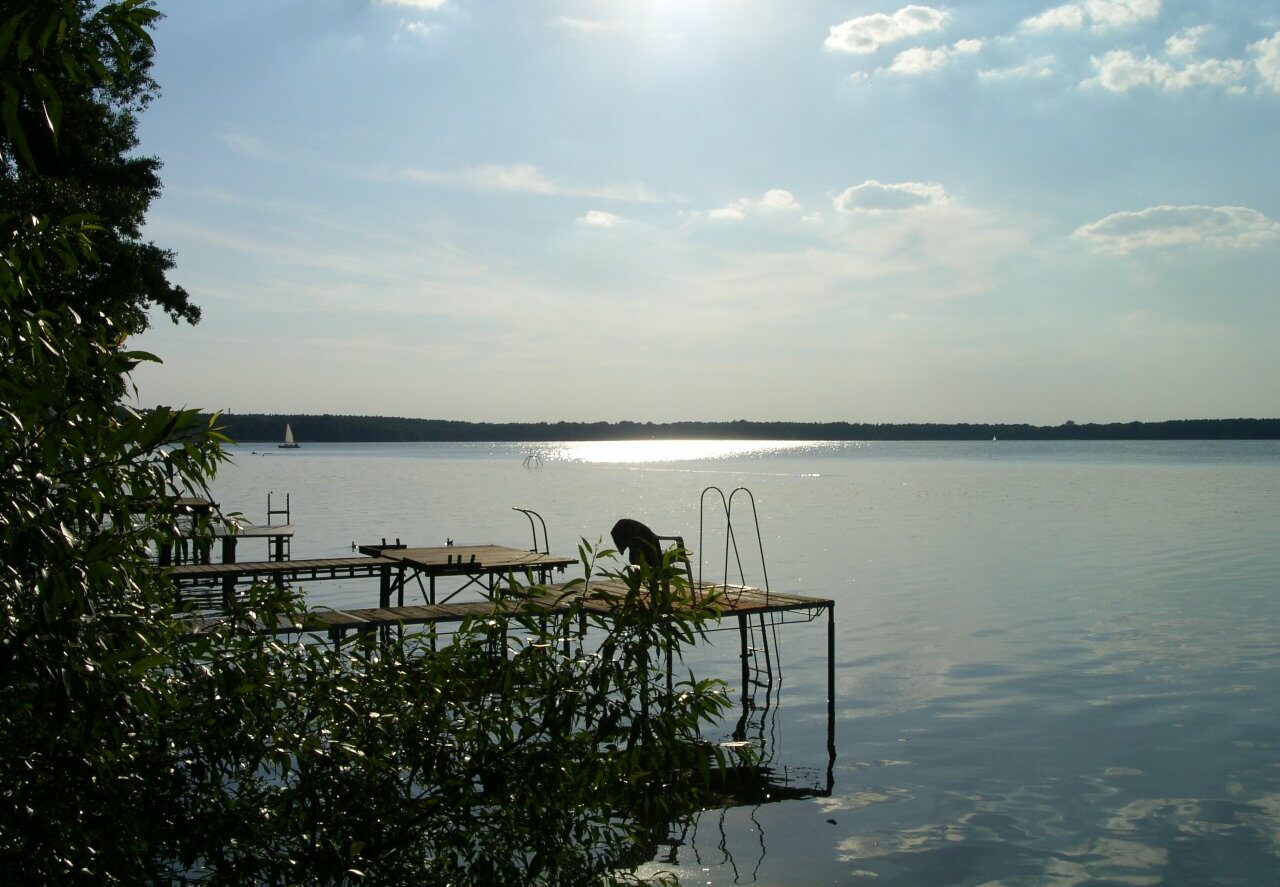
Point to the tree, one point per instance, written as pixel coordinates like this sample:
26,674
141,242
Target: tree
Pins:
135,748
71,119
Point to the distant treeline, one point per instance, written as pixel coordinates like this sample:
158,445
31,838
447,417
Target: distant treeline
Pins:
255,428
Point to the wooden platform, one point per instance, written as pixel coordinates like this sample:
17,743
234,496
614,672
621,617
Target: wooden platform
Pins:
601,598
731,600
453,560
287,571
487,558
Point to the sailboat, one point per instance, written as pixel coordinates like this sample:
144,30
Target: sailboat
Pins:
289,443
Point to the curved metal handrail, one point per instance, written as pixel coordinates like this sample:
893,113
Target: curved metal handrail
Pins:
755,517
531,514
729,541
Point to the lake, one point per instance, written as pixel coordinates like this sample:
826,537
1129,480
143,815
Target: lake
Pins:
1056,662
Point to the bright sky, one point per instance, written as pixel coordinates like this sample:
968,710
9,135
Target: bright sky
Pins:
992,210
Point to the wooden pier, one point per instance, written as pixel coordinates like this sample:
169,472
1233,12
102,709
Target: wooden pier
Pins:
393,565
600,597
486,569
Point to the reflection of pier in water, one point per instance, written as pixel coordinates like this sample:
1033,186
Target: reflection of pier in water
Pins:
749,785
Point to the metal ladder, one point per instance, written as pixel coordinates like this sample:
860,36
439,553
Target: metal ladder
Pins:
758,634
282,546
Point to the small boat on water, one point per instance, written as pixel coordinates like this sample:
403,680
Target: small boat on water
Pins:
289,443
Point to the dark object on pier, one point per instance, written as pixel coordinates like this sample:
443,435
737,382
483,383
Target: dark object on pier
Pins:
643,543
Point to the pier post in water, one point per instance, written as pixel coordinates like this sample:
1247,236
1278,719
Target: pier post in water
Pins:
831,686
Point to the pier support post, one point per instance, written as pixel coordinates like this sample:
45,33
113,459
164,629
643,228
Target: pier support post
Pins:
743,654
384,587
831,692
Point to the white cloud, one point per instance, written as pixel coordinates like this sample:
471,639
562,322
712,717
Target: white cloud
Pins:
876,197
1030,69
1267,62
1101,15
524,178
867,33
421,5
1120,70
1060,18
1118,13
1170,226
774,201
584,26
1225,73
1185,42
918,60
598,218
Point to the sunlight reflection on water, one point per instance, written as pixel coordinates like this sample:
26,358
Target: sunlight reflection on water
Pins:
642,451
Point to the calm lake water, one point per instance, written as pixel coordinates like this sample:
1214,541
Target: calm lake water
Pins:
1057,663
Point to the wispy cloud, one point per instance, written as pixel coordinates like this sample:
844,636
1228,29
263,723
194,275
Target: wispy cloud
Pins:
1173,226
584,26
524,178
1100,15
867,33
919,60
774,201
878,197
245,145
420,5
1030,69
415,28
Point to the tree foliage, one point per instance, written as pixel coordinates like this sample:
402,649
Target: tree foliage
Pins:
135,748
74,80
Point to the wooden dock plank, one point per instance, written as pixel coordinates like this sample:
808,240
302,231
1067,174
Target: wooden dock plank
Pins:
600,597
487,557
341,567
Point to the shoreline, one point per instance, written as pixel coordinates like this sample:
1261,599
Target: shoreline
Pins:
268,428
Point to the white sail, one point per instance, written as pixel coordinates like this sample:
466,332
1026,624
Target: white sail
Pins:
288,434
